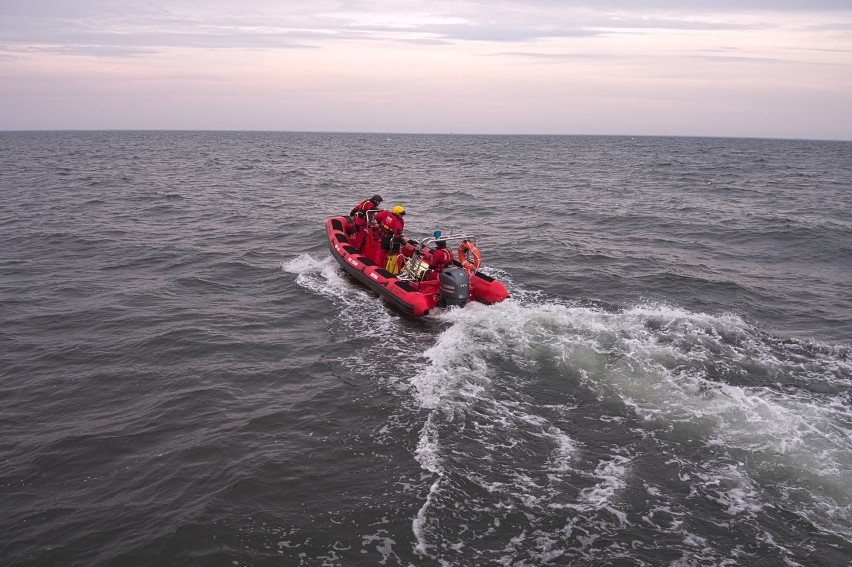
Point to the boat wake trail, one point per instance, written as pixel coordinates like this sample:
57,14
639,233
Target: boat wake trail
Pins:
374,329
360,312
553,427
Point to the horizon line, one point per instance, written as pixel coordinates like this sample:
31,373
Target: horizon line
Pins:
401,133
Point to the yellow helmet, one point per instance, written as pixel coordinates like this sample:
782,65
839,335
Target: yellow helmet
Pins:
397,210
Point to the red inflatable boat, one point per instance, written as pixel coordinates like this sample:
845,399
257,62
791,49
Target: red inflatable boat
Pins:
414,290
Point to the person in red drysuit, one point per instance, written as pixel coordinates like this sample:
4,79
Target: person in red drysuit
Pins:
439,260
390,225
361,221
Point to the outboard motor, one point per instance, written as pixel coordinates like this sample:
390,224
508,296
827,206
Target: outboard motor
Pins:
454,287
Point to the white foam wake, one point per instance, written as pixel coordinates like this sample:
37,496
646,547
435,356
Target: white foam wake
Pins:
771,417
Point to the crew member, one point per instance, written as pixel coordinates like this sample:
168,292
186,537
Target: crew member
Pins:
390,225
440,259
359,216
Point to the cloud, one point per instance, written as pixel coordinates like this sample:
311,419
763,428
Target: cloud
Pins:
409,65
108,29
700,5
121,28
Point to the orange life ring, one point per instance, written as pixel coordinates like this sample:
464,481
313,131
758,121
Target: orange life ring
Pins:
469,256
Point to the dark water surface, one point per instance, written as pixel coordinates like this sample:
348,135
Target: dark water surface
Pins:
187,378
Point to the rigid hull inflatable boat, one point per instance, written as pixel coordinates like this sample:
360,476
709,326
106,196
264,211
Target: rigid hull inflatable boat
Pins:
413,290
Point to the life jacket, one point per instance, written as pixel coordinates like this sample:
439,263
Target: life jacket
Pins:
391,223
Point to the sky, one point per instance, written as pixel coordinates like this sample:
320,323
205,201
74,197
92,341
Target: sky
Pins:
736,68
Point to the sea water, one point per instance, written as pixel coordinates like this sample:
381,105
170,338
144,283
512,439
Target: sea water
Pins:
188,378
